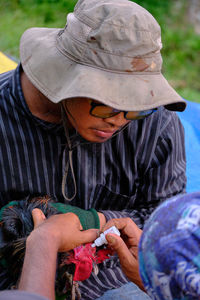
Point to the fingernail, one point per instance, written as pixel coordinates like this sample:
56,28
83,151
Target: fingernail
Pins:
110,239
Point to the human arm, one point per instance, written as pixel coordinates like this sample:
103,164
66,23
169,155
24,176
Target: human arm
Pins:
55,234
38,273
126,247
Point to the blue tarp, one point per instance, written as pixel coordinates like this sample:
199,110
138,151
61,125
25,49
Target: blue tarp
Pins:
190,119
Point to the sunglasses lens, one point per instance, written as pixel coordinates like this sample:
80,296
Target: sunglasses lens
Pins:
137,115
103,111
132,115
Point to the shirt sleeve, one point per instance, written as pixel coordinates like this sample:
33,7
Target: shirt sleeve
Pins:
20,295
163,176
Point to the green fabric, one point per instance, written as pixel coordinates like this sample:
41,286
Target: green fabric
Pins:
88,218
12,203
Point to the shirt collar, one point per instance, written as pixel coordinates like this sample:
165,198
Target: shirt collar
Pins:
20,102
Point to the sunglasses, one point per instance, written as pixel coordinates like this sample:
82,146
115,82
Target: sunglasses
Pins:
100,110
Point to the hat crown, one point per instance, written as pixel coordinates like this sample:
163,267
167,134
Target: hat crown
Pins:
117,35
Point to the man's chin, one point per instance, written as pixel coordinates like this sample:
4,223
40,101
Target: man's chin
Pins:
94,138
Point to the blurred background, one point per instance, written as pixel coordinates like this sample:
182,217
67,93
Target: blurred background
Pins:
179,21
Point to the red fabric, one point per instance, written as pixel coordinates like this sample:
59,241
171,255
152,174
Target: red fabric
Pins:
83,257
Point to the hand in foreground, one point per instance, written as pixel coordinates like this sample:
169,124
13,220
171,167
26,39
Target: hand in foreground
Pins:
58,233
65,230
126,247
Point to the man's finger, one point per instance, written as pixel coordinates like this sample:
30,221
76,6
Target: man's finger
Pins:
120,223
128,262
38,217
88,236
116,242
126,226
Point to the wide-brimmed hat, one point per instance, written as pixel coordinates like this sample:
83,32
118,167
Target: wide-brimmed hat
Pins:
109,51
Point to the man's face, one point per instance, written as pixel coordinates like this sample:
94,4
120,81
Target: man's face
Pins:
92,128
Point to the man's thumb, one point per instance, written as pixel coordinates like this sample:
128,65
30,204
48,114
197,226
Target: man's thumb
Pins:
112,240
117,243
38,217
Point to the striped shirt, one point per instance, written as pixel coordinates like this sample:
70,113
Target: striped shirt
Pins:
126,176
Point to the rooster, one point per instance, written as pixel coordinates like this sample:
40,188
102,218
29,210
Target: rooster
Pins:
16,224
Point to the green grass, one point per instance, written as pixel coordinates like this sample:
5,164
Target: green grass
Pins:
17,16
181,46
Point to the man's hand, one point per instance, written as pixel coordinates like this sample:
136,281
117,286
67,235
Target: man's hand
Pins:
64,229
126,247
58,233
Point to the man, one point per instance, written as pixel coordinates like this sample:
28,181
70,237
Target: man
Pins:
122,150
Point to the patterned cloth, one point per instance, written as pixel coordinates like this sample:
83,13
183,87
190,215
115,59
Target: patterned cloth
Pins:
169,250
126,176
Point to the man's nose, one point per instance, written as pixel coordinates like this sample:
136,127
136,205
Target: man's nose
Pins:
117,120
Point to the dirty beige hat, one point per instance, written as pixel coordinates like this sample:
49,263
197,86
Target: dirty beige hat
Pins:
109,51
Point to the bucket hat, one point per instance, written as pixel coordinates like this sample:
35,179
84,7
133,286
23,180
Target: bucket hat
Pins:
108,51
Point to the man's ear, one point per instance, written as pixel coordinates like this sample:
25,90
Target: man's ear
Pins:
38,217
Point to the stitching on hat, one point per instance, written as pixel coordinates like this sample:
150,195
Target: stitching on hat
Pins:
127,72
86,19
76,59
71,25
82,38
156,53
82,19
89,22
106,70
64,52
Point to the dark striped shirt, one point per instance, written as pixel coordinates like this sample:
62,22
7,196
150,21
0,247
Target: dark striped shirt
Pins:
127,176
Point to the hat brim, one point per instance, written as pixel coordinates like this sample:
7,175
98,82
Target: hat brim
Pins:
60,77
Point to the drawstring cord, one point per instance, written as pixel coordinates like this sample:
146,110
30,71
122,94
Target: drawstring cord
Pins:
69,162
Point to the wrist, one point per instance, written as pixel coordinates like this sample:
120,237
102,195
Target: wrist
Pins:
44,238
39,264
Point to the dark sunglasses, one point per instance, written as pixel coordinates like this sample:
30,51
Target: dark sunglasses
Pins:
100,110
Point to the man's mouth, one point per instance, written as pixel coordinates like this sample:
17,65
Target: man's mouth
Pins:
104,133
